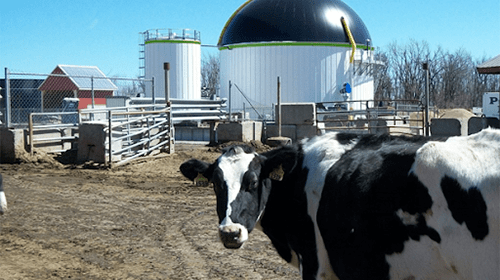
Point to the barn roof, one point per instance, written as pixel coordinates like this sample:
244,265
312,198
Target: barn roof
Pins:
293,21
80,77
491,66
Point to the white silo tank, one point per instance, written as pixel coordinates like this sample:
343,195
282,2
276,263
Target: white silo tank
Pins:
182,49
302,42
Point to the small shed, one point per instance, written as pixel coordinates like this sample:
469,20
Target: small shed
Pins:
75,82
491,66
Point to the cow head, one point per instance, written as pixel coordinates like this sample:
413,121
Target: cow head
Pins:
242,183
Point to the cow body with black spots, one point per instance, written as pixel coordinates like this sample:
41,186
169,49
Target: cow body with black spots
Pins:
347,206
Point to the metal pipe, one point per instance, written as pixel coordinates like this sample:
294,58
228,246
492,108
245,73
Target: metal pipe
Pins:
229,97
279,107
166,67
31,133
425,66
351,39
153,94
110,131
7,99
92,91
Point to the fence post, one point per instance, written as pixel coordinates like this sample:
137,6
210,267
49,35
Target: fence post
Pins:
171,147
110,132
31,133
279,107
425,66
92,91
7,99
229,97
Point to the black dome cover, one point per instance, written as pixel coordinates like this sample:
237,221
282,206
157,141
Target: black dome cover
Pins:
293,20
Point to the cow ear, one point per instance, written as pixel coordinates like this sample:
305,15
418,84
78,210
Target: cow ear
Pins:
280,162
197,171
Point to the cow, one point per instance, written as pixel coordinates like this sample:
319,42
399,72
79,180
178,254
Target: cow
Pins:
348,206
3,200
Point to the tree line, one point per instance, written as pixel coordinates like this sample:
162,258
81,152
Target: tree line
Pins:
453,78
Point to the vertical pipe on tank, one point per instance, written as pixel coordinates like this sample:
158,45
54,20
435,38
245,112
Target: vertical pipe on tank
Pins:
166,67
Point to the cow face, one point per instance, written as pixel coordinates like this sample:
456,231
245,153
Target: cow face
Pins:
240,190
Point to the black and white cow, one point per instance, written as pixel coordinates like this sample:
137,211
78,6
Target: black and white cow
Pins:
3,200
345,206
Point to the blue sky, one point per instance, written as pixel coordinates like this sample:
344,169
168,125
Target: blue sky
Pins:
35,36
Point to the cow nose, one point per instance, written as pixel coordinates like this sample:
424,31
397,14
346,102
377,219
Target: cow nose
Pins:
230,237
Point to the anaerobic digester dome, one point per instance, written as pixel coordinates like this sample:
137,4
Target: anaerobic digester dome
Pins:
303,42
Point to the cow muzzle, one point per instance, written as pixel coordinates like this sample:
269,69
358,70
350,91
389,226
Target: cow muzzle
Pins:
233,236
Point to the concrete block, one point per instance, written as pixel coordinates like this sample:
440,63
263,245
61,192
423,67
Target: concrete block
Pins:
297,113
306,131
289,131
477,124
378,126
192,133
446,127
12,145
235,131
92,144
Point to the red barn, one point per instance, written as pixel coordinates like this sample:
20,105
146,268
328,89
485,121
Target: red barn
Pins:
75,82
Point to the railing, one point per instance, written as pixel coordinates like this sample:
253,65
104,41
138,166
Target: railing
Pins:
135,134
53,131
396,117
171,34
198,110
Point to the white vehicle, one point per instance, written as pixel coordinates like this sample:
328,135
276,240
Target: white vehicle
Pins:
491,104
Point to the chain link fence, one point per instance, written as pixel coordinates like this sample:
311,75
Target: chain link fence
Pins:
65,90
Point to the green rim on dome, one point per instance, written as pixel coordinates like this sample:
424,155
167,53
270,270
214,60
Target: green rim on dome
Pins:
312,44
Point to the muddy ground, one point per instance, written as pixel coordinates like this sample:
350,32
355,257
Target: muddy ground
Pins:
138,221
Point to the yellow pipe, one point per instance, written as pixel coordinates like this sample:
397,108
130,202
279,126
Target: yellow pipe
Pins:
351,39
230,19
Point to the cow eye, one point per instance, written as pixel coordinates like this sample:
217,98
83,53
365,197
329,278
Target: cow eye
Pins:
253,184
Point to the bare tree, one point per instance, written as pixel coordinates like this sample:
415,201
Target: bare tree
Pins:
454,80
210,71
382,79
407,73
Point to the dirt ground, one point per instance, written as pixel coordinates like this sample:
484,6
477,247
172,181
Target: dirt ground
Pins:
138,221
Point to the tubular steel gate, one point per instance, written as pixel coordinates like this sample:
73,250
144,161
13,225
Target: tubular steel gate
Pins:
139,130
394,117
138,133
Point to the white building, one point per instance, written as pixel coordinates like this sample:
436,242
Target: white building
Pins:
304,43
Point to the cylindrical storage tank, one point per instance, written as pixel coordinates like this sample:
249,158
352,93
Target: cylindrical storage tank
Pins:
182,49
302,42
